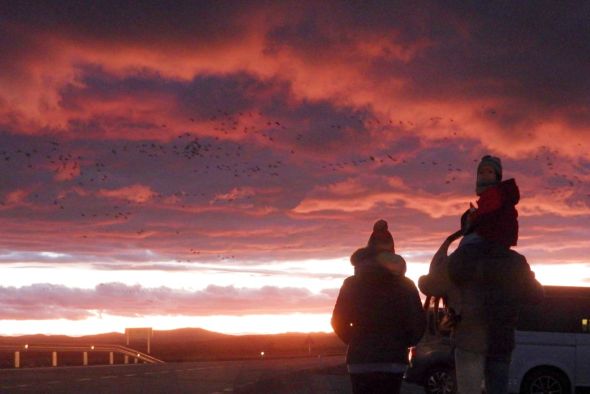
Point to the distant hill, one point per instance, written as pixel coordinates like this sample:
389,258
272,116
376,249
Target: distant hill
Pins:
193,344
219,346
181,334
111,337
187,334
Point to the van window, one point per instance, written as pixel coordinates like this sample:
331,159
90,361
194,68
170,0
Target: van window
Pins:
556,314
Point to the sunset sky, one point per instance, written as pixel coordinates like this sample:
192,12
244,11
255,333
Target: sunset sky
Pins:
215,165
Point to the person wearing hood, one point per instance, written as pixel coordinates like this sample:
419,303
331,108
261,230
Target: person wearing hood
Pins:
379,315
379,247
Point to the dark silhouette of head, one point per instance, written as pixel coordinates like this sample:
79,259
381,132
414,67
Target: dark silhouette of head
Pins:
381,238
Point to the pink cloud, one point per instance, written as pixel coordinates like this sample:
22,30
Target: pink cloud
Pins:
283,132
136,193
364,194
16,197
347,75
47,301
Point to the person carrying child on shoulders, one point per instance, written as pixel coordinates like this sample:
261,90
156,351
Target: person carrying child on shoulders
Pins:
492,282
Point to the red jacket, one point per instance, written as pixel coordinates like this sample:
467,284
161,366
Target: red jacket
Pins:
496,217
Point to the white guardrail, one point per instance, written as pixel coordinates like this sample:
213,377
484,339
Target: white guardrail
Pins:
128,353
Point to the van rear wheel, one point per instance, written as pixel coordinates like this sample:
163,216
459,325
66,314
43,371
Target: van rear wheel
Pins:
440,380
545,381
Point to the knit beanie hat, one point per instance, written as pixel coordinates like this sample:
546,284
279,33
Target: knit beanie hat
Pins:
493,162
381,234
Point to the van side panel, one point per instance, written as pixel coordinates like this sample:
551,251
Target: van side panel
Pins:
583,360
535,349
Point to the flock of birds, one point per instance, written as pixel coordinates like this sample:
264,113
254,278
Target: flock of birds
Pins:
79,165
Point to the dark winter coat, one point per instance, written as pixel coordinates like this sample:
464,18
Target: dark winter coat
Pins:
378,315
362,257
494,283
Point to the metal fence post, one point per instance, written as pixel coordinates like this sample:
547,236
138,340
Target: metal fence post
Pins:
85,358
17,359
111,358
54,359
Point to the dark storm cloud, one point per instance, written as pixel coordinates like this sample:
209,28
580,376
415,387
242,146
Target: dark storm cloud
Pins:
532,53
306,124
128,21
528,57
201,98
312,120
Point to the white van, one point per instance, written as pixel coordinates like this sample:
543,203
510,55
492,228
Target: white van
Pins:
552,353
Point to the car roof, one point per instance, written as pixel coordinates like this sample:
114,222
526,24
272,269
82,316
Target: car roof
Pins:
567,291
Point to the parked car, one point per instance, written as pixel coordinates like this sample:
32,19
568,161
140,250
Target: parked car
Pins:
552,353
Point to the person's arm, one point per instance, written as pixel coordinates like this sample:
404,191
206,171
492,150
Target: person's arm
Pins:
442,252
342,316
436,283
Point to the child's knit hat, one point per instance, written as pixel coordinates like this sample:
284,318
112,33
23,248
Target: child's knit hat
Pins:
493,162
381,234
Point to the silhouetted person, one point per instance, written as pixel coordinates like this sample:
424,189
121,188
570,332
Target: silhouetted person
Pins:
485,284
378,314
484,296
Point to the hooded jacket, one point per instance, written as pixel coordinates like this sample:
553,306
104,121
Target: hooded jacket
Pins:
362,256
367,256
379,315
496,217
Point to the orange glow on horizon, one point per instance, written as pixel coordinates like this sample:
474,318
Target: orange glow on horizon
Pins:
219,174
273,322
233,325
